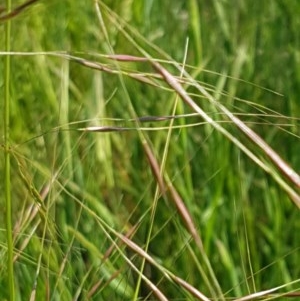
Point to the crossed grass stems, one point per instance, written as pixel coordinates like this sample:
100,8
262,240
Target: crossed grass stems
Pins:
166,188
275,166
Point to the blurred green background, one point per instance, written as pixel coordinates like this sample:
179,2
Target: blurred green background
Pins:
246,53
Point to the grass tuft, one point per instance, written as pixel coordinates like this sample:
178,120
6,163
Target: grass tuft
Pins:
151,151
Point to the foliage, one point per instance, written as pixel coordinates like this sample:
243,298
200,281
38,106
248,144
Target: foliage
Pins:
120,190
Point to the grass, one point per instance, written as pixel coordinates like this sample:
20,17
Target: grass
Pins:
7,170
119,189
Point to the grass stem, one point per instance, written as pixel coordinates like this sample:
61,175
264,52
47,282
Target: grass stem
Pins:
7,184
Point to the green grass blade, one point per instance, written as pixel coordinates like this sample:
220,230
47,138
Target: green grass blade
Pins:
7,183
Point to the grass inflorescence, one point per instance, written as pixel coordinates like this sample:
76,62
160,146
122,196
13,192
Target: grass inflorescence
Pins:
151,151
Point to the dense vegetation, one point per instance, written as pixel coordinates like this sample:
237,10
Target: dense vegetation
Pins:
120,189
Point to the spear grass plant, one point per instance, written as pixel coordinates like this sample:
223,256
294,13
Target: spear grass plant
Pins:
146,167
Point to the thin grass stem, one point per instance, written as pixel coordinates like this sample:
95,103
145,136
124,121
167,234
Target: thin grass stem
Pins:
7,183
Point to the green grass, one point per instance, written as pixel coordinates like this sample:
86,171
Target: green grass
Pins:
7,166
119,189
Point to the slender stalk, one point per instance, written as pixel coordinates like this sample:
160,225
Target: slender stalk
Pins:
13,13
7,184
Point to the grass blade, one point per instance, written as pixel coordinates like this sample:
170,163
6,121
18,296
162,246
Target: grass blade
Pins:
7,183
